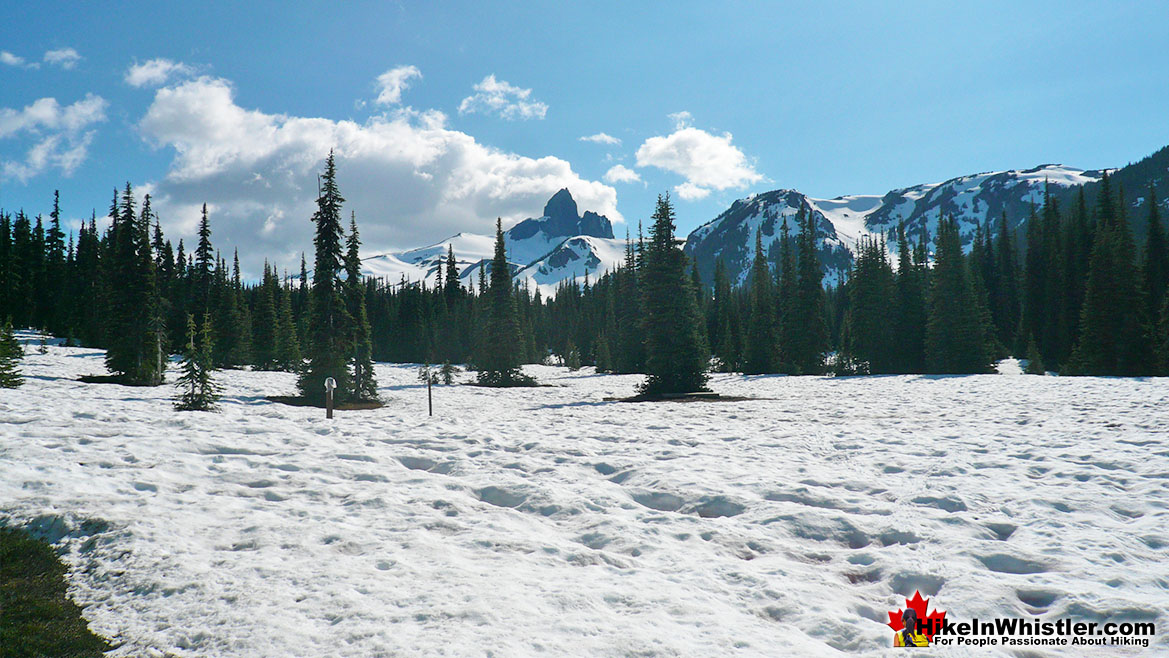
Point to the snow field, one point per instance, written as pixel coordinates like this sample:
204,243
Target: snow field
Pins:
548,521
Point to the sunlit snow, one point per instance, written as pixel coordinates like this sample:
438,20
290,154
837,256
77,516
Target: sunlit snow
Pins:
550,521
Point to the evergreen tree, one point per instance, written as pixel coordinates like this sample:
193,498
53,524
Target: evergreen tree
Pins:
811,341
762,349
55,272
1004,301
1156,265
266,324
1113,333
630,355
955,343
330,325
204,266
674,353
870,322
723,323
1035,309
197,391
1034,360
288,357
10,355
134,351
789,327
364,382
499,362
910,308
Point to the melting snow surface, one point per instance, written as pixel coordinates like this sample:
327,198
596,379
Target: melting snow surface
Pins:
549,521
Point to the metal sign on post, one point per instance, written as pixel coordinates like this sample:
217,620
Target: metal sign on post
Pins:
330,384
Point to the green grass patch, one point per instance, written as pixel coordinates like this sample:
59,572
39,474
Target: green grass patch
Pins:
36,617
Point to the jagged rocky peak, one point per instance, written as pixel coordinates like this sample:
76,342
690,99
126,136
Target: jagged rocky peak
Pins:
562,219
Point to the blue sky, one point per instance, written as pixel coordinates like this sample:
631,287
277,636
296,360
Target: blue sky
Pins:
481,107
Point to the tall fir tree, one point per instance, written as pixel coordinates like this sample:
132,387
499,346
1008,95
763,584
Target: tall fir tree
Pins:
811,339
499,361
330,325
1113,332
762,348
911,306
266,325
364,382
787,303
871,299
675,360
1156,263
134,351
288,356
204,266
955,343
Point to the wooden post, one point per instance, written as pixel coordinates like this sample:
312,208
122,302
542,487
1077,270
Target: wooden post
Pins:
429,397
330,384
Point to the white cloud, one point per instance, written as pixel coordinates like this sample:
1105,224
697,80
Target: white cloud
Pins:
681,119
621,174
15,60
66,58
690,192
707,162
410,179
60,138
499,97
601,138
155,72
391,84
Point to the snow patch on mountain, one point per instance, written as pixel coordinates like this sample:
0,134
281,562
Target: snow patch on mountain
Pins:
560,243
841,222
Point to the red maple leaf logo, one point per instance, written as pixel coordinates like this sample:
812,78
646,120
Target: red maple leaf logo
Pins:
931,623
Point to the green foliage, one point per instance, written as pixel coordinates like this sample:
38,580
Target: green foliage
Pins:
675,361
955,340
37,618
762,348
870,323
134,349
364,382
499,360
197,391
1113,332
1034,359
330,325
11,353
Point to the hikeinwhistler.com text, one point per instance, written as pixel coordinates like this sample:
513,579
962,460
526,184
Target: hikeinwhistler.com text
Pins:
1015,631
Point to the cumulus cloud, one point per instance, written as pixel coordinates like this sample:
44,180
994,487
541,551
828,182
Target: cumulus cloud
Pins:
410,179
601,138
15,60
60,135
155,72
66,58
621,174
503,99
707,162
392,83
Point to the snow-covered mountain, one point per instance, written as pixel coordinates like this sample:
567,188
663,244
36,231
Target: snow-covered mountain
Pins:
731,235
543,251
840,222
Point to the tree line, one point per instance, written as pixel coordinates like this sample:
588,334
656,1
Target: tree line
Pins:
1072,293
